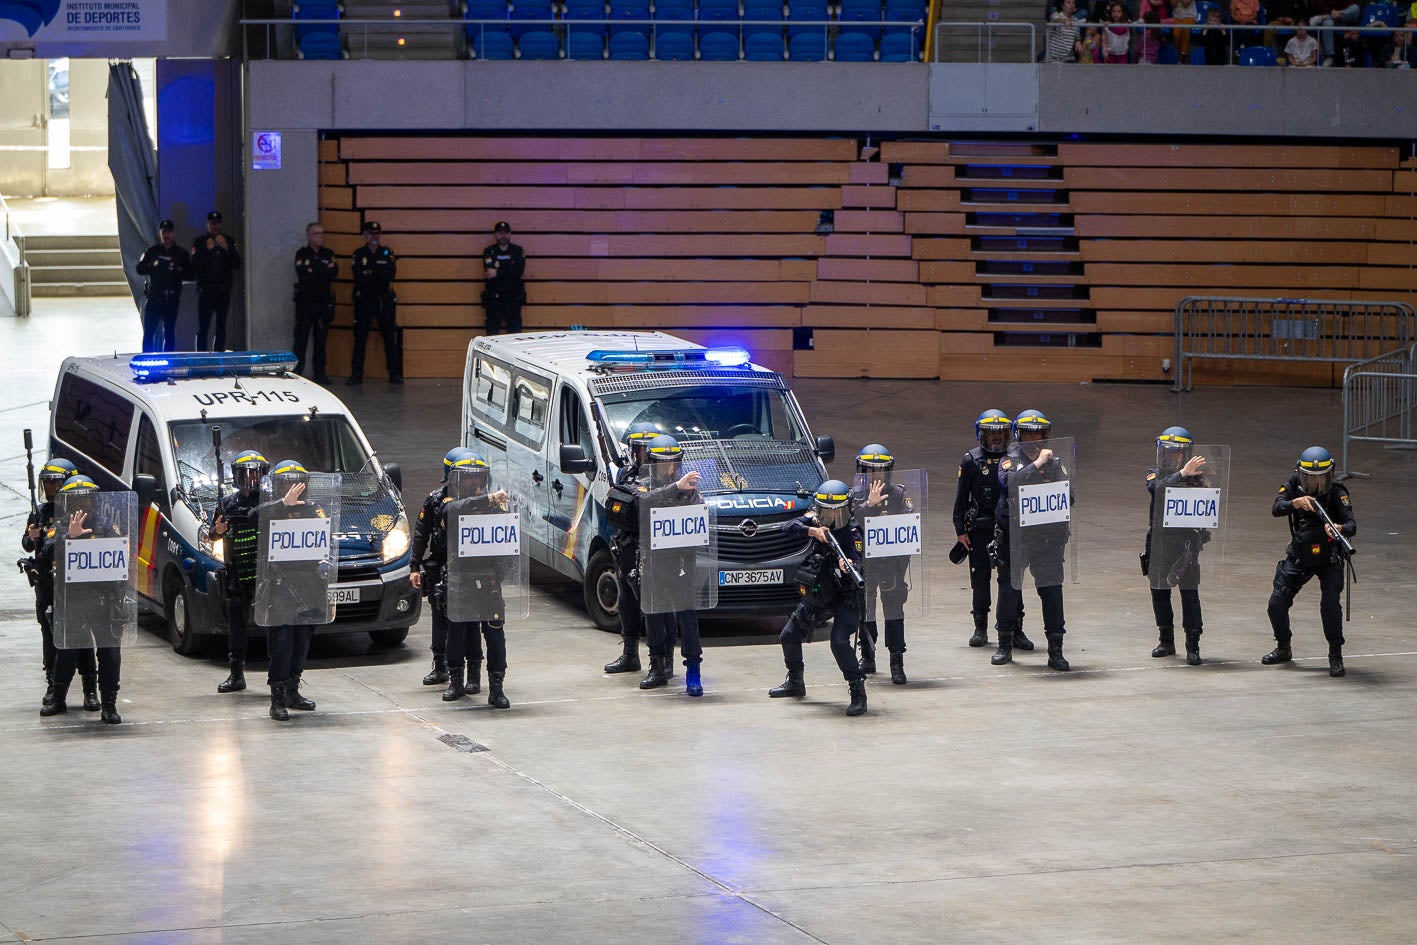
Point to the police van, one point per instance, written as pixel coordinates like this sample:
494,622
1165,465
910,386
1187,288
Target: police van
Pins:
552,408
145,422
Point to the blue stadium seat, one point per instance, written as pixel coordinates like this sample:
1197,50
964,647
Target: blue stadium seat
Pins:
1197,56
1167,56
675,46
539,44
761,11
585,44
524,10
673,18
763,46
718,46
671,9
1257,56
861,14
807,11
1380,14
900,47
717,11
493,44
905,11
629,46
855,47
315,10
807,47
621,10
321,46
483,10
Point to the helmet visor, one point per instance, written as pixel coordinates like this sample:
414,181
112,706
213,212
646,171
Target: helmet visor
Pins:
834,517
1316,482
1171,456
665,471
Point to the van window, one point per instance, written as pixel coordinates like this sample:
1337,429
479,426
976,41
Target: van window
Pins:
95,421
149,459
575,428
490,385
531,401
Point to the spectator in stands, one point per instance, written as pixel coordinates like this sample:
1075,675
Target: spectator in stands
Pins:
1404,52
1116,39
1284,13
1215,39
1063,34
1302,50
1149,40
1244,13
1336,16
1090,48
1352,52
504,263
1183,12
1161,8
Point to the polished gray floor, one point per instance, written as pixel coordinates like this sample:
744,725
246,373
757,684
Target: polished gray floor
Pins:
1133,800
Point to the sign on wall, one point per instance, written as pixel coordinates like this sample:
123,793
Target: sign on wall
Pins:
265,150
59,21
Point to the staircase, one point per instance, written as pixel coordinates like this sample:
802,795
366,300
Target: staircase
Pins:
1010,44
397,40
66,266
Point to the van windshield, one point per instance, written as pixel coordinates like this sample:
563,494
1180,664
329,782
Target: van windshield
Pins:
714,412
325,443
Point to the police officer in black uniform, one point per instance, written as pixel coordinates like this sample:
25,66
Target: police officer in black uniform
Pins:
1027,464
289,644
1178,554
828,590
375,269
39,528
430,553
977,494
504,264
237,525
1314,551
876,494
215,262
623,515
315,274
167,266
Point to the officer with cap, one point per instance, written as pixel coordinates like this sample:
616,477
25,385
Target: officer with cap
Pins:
375,269
315,274
827,581
1320,520
504,263
167,266
40,528
430,557
215,262
877,494
977,495
1176,465
623,515
237,526
676,615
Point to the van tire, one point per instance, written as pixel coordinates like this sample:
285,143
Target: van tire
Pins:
178,610
602,591
393,637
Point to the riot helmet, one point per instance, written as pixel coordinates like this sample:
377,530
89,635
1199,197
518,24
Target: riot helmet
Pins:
1030,427
875,462
471,474
666,459
450,459
1315,471
832,501
637,438
285,475
53,474
247,469
78,492
992,430
1173,449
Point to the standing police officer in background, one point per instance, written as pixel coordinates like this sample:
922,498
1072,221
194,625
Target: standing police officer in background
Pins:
215,261
1314,550
375,269
623,515
430,542
504,263
876,494
167,266
315,273
238,526
38,529
1175,466
977,493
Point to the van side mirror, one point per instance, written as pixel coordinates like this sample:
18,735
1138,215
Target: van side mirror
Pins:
395,473
574,459
826,448
146,488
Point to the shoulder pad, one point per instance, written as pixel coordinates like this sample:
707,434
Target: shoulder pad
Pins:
1284,488
1006,463
1151,476
909,505
1343,497
859,544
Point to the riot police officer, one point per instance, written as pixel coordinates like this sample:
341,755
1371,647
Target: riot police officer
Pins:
504,263
829,589
215,262
39,528
1027,463
976,497
237,525
315,273
622,513
1176,465
674,572
166,265
431,543
876,494
375,268
1320,518
289,644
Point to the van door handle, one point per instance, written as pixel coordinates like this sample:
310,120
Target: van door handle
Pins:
537,477
556,484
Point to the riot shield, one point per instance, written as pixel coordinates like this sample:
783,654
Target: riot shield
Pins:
1042,545
678,552
297,562
893,562
1188,520
487,566
95,599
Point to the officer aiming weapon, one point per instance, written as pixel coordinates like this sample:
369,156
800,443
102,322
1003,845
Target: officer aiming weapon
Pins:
1346,551
857,581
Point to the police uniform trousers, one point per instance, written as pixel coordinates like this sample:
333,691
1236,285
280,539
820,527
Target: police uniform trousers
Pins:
1189,586
310,321
845,619
43,601
1047,571
238,623
632,621
67,662
369,309
160,321
465,643
288,645
440,628
504,312
212,304
892,594
662,629
1289,577
981,569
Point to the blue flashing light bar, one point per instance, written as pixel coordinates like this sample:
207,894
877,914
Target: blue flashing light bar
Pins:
672,358
182,364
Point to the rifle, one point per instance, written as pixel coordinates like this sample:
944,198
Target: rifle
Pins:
29,473
857,581
1346,551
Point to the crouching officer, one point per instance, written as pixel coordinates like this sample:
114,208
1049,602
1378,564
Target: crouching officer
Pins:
238,527
40,571
1176,465
877,494
829,580
623,514
1320,524
669,577
977,496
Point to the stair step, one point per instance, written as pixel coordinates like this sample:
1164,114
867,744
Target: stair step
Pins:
49,275
100,241
72,257
55,290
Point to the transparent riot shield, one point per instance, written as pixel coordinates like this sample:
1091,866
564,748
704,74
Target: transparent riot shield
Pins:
892,517
1042,547
297,562
678,552
95,599
487,563
1188,520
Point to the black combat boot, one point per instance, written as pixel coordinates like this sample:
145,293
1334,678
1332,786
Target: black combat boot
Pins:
1166,642
236,681
1280,654
1056,660
110,708
629,659
656,676
438,675
1005,654
1021,642
1335,661
48,690
496,698
857,688
981,630
455,690
791,686
866,637
1193,647
474,678
91,703
278,702
898,669
293,698
58,705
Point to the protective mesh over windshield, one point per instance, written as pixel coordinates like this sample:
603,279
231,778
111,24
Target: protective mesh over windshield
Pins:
752,465
367,501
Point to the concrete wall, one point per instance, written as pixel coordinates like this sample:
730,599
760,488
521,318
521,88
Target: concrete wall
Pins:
279,203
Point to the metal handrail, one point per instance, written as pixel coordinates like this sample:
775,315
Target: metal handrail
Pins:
984,50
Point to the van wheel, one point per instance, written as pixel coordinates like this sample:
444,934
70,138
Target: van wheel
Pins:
392,637
179,620
602,591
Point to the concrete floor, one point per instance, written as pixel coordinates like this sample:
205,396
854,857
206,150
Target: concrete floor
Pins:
1131,800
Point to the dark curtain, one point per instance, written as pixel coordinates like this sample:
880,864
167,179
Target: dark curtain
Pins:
133,161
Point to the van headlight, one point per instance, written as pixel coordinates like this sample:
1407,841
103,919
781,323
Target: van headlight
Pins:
396,539
207,543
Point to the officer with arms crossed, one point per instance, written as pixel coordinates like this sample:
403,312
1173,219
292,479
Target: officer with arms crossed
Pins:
876,494
1320,522
315,273
623,514
40,569
504,263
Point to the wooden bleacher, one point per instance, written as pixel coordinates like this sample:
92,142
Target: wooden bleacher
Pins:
718,239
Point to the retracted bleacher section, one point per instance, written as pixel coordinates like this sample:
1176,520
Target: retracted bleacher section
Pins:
925,259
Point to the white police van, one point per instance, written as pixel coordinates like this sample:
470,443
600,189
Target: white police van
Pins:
551,408
145,422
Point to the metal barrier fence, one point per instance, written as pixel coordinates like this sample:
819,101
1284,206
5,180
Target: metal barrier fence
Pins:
1379,401
1298,330
994,41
